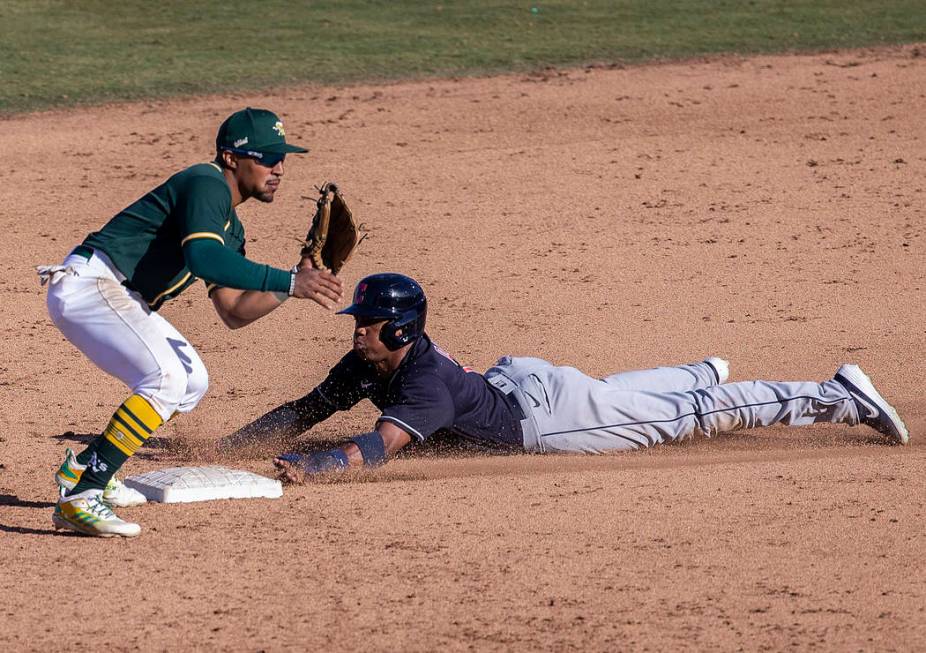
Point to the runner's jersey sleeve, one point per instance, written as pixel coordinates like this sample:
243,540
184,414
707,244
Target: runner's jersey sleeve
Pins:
348,382
419,404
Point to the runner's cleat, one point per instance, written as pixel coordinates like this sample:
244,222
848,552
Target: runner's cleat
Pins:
873,409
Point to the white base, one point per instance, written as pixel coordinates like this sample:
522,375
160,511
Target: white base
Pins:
186,484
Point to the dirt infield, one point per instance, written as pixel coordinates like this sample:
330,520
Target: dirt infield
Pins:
769,210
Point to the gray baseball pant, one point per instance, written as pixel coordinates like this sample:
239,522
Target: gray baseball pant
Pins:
568,411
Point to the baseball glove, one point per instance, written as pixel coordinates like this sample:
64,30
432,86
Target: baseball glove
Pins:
334,234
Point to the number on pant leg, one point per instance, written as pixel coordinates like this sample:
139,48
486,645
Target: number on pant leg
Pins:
184,358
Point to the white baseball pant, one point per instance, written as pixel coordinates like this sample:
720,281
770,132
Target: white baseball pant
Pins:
115,329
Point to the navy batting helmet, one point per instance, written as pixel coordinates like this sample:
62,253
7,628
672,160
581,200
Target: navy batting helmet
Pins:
393,297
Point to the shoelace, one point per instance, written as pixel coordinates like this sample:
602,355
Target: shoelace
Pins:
96,507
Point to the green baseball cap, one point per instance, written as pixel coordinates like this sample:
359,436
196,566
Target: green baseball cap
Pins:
254,132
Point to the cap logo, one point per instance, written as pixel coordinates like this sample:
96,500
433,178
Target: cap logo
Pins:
241,141
278,128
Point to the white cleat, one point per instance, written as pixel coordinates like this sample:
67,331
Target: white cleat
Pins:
89,514
721,366
120,495
873,409
116,493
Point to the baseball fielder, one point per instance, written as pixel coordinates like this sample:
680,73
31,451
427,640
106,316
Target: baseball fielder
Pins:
528,404
105,296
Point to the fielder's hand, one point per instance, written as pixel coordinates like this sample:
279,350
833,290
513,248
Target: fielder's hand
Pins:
321,286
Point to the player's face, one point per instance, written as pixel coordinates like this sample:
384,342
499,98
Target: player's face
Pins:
366,340
258,180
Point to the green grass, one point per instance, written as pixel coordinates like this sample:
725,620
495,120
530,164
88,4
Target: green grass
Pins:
59,53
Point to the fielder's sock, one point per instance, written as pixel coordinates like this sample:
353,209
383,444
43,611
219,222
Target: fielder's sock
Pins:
128,430
84,456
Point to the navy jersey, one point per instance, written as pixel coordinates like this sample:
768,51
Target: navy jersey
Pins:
429,392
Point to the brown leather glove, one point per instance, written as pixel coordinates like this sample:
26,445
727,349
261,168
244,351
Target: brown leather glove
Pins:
334,234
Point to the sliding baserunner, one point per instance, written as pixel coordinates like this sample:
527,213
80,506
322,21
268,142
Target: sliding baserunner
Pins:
529,404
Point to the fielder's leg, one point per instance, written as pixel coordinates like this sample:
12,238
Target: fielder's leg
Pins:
117,331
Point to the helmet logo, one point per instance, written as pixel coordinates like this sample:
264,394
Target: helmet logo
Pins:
278,128
361,291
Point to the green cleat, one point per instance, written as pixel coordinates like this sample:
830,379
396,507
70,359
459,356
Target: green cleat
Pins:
116,493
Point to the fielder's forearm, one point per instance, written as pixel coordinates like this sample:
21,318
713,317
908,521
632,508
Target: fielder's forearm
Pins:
211,261
238,308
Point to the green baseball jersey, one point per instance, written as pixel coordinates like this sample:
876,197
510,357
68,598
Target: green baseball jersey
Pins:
145,240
